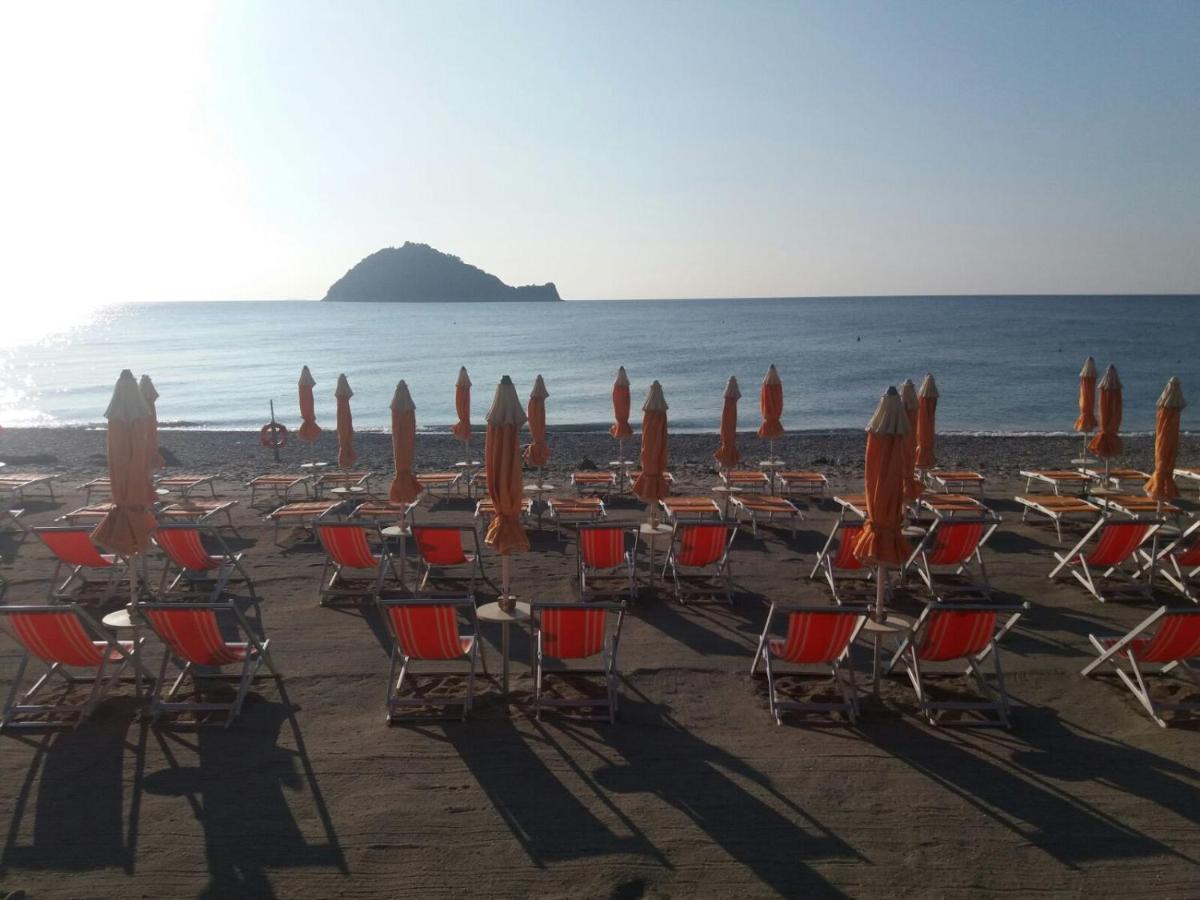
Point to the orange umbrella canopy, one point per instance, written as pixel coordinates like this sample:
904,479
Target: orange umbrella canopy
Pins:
927,398
1161,485
309,429
881,541
347,456
1107,441
502,463
149,396
727,452
537,454
126,528
405,487
908,397
621,406
462,406
1087,397
651,485
770,402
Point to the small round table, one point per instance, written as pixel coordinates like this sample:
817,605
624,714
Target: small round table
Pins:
346,492
622,466
313,465
770,465
122,620
491,612
726,492
876,629
649,534
401,532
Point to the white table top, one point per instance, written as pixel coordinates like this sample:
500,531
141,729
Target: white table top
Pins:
539,488
118,619
623,462
727,489
393,531
771,464
491,612
349,491
313,465
654,530
890,624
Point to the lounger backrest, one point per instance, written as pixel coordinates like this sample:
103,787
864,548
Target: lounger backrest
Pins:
427,631
1118,541
1178,637
184,548
193,635
439,546
954,542
73,546
817,637
954,634
602,548
845,558
347,545
57,637
701,545
572,633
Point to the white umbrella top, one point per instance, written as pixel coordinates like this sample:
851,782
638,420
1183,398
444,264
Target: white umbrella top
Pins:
506,406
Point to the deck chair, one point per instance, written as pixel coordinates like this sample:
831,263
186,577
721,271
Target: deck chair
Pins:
848,578
62,637
816,636
74,550
747,479
428,630
601,484
441,547
798,483
1176,641
193,637
955,632
605,562
766,506
1056,508
1179,562
951,547
1117,543
570,631
279,486
353,570
192,563
698,559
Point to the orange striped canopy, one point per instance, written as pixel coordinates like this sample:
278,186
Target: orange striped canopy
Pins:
462,406
621,405
770,403
1107,441
126,528
927,398
727,452
1161,485
1087,397
347,456
537,454
149,396
651,485
309,429
908,396
502,463
405,487
881,541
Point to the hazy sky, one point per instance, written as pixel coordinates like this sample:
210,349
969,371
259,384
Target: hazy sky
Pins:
259,149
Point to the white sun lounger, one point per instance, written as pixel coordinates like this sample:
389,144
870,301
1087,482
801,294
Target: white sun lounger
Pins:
1056,508
17,483
1056,479
955,481
1115,476
754,506
183,485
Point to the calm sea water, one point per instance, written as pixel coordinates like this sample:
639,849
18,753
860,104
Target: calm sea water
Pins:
1003,364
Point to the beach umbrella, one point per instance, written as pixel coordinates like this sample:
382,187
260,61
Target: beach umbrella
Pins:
309,429
502,461
405,487
345,424
908,397
537,454
149,396
1107,441
727,452
1161,485
462,408
621,404
927,398
651,485
770,402
1086,423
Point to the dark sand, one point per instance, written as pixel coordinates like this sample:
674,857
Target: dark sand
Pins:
694,792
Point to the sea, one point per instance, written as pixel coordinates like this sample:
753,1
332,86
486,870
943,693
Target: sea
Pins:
1003,364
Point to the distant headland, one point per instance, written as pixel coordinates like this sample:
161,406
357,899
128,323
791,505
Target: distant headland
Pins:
418,273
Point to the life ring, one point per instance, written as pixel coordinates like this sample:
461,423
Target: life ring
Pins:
273,435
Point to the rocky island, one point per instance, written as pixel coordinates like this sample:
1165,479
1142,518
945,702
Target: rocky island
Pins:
418,273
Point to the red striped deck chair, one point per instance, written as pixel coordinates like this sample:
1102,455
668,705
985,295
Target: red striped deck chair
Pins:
194,637
74,551
1102,570
1173,644
1179,562
353,569
698,559
570,631
816,636
948,558
849,580
193,565
605,562
951,633
441,548
427,630
62,637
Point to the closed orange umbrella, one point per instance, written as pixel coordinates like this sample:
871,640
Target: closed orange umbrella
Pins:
621,405
727,452
347,456
462,408
502,461
927,398
651,485
149,395
537,454
405,487
908,397
126,528
309,429
1107,442
770,403
1161,485
1087,397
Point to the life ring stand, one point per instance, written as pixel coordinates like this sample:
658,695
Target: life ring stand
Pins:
273,435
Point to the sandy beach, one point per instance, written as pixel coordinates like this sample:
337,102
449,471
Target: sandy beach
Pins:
693,792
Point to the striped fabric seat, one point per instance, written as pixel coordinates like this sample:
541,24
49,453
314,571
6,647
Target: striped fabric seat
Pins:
184,548
848,578
844,559
571,632
953,634
606,566
1110,567
58,638
347,545
602,548
952,548
1177,637
1117,543
194,636
814,637
348,556
701,545
74,547
956,542
441,547
75,552
698,559
428,631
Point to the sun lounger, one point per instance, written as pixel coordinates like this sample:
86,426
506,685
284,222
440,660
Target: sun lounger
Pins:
440,481
698,559
1104,567
353,570
1179,562
572,631
605,562
945,506
1056,508
92,514
801,484
193,635
952,547
1189,473
746,480
852,504
477,486
816,636
183,485
1174,643
62,637
766,506
428,631
681,508
385,510
198,511
849,580
485,509
101,486
441,547
74,550
1056,479
601,484
193,565
954,481
568,511
1115,476
634,475
1137,506
280,486
302,513
18,483
332,480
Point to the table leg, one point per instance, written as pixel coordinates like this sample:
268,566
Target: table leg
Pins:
504,651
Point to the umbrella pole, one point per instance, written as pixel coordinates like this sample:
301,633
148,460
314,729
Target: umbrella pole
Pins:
137,657
274,445
505,576
879,616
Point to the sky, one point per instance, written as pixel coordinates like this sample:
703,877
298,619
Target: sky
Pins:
209,151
